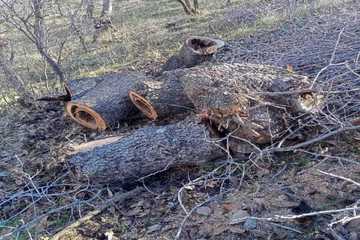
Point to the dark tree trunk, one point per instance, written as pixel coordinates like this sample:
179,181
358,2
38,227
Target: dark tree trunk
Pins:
162,98
146,151
102,102
194,51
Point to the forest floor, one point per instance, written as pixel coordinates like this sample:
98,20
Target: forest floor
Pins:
39,196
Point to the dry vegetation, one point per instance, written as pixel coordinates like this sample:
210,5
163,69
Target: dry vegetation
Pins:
307,189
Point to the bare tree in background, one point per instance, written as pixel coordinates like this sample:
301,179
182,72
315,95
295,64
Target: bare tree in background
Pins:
41,38
30,21
190,7
13,79
106,8
90,6
103,25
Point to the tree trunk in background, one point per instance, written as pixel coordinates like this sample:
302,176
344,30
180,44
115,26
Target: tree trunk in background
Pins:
90,6
40,38
103,24
13,79
189,8
196,5
106,8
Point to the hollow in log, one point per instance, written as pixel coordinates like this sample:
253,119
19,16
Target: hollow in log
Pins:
162,98
194,51
145,152
102,102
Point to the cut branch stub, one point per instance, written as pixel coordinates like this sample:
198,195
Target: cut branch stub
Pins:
194,51
146,151
162,98
101,102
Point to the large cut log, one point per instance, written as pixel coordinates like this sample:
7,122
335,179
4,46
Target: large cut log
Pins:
101,102
162,98
252,102
194,51
78,87
146,151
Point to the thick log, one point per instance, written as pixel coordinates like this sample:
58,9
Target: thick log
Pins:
102,102
146,151
162,98
249,101
194,51
78,87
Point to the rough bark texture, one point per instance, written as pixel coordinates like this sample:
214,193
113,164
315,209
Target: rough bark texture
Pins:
163,97
76,88
249,101
194,51
101,102
147,151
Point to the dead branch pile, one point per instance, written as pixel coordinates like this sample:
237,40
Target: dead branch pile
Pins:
239,109
323,47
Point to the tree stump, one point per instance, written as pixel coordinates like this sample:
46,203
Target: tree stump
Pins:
194,51
101,102
145,152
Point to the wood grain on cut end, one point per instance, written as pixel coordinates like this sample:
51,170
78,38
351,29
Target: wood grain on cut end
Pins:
143,105
101,102
85,116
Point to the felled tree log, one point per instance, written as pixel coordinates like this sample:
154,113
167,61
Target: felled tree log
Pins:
77,87
194,51
250,102
162,98
101,102
146,151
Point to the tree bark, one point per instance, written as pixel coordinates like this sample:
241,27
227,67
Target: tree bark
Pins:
90,6
251,102
102,102
146,151
106,8
162,98
194,51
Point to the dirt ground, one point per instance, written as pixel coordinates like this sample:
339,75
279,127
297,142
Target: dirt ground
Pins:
229,199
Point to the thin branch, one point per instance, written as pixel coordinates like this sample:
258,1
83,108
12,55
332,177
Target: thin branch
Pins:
340,177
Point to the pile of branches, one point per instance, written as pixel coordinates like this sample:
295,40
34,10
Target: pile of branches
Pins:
323,46
217,111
